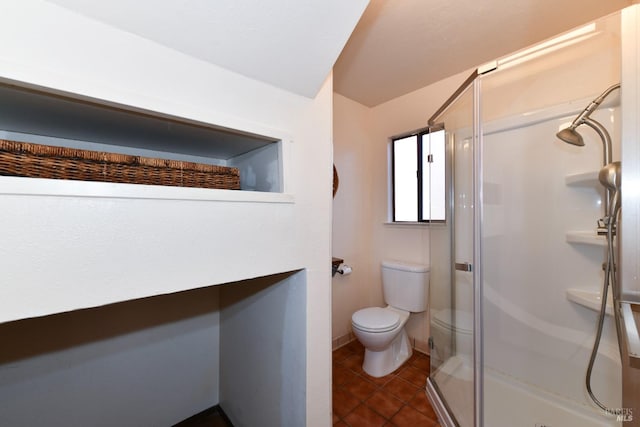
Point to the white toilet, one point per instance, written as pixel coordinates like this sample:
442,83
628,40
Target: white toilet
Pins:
381,330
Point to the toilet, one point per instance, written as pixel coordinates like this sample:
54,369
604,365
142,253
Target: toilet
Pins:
381,329
452,327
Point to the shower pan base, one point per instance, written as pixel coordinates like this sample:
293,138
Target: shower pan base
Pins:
438,405
516,403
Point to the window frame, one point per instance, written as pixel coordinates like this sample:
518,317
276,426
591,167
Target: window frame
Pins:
420,170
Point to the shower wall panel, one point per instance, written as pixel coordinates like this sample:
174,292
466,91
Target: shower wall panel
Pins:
533,333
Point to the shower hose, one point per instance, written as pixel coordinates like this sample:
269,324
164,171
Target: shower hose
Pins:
609,280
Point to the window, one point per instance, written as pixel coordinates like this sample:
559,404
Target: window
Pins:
418,177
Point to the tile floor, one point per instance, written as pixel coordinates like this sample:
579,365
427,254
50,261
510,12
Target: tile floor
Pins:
396,400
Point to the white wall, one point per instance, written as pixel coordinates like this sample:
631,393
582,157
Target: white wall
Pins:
145,362
360,212
352,212
262,357
63,252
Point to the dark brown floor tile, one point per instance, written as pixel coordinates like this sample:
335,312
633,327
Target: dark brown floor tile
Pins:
402,389
413,357
423,363
359,387
398,398
414,375
343,402
409,417
342,353
342,375
363,416
355,346
384,403
421,403
378,381
420,353
354,362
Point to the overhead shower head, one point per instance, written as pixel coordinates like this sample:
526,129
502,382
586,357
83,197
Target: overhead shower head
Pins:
570,136
610,176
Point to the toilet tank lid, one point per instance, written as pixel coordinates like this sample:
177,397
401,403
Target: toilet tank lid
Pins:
405,266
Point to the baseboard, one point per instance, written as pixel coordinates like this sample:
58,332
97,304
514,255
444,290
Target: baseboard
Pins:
342,340
420,345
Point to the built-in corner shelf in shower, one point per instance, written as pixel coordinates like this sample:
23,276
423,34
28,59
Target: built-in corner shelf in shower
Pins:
584,179
590,299
586,238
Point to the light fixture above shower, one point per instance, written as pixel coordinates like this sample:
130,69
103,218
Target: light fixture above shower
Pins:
540,49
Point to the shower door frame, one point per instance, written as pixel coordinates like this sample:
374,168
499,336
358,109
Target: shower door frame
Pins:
432,389
630,229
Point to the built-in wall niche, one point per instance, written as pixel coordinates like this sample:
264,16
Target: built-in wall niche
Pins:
40,117
159,360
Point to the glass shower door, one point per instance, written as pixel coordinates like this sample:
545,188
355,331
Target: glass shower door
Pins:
536,197
452,280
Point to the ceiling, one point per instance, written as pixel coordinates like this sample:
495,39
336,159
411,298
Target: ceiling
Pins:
291,44
402,45
398,46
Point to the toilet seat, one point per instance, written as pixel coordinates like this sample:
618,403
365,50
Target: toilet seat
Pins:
375,319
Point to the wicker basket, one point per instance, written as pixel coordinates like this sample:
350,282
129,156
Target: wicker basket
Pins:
44,161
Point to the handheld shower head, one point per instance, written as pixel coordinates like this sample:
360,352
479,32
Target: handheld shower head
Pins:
611,176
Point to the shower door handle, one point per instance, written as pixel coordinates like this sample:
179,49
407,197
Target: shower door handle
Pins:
463,266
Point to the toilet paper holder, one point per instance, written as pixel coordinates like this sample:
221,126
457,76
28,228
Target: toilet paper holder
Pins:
338,266
344,269
335,263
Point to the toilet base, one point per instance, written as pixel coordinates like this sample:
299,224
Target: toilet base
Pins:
381,363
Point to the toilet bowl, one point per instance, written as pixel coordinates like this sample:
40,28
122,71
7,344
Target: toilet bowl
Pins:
452,326
381,329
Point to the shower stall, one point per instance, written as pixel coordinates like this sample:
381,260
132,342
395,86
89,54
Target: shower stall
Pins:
517,272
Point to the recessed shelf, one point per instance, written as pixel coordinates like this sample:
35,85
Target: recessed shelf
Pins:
586,238
40,117
584,179
590,299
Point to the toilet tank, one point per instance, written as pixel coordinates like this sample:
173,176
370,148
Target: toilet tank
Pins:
405,285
